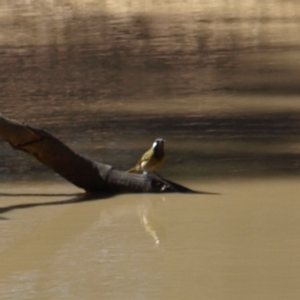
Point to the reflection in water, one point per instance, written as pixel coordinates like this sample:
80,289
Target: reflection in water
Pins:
92,237
240,245
144,211
150,225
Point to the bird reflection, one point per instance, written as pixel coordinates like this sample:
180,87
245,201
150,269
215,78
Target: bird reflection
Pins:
151,226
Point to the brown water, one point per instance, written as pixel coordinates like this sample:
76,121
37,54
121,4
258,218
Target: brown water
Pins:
243,243
219,80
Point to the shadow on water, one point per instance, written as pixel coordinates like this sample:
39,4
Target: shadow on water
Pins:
84,197
198,145
35,195
90,68
77,198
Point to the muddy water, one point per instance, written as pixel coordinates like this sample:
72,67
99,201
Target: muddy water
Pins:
243,243
220,82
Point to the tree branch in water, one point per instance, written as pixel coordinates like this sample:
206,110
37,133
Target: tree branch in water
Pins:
92,176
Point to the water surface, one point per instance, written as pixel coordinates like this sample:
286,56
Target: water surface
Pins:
242,243
219,81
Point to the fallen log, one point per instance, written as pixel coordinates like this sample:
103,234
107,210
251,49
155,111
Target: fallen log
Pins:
90,175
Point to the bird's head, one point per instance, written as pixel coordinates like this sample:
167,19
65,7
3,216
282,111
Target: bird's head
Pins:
158,144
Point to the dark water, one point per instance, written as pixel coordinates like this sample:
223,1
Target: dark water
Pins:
219,80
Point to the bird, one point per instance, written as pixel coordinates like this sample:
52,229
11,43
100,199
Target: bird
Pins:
151,159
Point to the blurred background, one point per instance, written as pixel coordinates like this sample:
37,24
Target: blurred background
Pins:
219,80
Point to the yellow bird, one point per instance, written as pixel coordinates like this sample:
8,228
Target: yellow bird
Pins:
152,159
